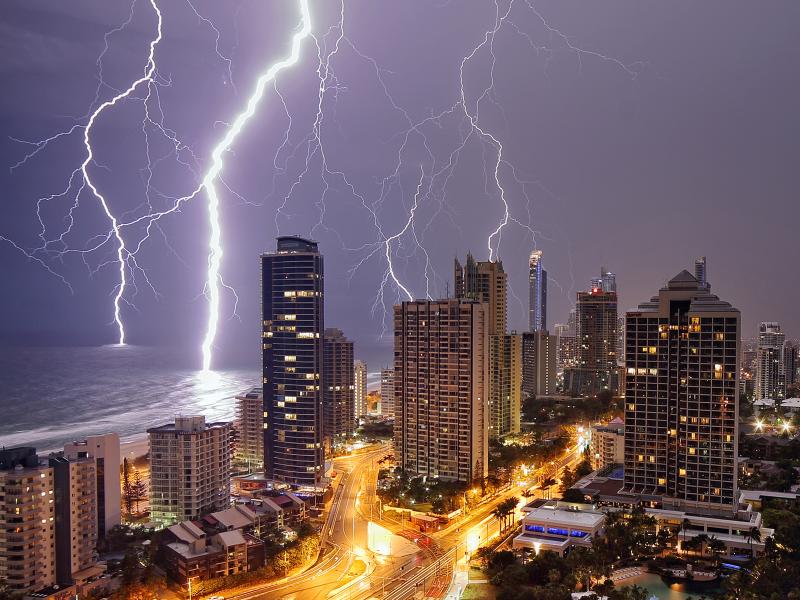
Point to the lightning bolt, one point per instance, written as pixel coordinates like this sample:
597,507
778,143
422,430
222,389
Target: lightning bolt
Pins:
213,280
82,171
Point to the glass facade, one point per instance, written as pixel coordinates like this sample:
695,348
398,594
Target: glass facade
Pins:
292,350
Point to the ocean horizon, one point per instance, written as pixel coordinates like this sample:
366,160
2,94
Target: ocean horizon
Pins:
51,396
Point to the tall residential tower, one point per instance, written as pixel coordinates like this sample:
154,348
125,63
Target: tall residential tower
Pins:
338,391
292,346
440,379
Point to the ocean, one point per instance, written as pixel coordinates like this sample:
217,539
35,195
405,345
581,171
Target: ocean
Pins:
49,396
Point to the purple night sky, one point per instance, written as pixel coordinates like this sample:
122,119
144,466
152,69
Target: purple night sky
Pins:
653,133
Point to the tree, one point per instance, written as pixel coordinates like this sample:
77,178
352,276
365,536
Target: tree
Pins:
567,479
684,526
127,490
137,489
753,535
716,547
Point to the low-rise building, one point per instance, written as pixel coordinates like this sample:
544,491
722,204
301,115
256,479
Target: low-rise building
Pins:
558,527
608,444
781,405
189,553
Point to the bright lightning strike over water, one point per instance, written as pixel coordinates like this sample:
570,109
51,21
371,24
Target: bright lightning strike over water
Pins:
213,280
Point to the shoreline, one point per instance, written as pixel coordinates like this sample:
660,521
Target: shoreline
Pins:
133,448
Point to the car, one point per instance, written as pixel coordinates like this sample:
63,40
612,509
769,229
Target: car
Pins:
216,598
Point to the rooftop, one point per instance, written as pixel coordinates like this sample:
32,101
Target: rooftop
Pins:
559,513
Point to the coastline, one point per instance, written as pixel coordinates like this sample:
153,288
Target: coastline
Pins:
133,448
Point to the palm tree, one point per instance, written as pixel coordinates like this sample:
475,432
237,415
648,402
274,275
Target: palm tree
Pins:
548,483
717,547
700,541
753,535
684,526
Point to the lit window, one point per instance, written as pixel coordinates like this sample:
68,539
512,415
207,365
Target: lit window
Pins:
692,450
291,417
662,481
289,358
682,472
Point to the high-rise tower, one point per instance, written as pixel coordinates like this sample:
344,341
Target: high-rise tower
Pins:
771,362
537,293
360,391
339,390
292,345
681,398
440,381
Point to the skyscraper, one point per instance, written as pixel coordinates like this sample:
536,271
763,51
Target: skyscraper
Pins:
360,392
505,384
190,469
681,398
771,362
441,384
537,293
607,282
596,361
700,271
293,324
387,393
484,282
339,389
539,357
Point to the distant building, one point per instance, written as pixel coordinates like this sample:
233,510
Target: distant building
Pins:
608,444
537,293
190,469
700,271
566,346
484,282
770,362
441,388
360,391
104,449
27,514
248,455
505,389
539,359
75,494
607,282
596,361
387,408
338,387
293,325
681,398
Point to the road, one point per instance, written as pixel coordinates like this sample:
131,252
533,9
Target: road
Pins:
344,541
344,533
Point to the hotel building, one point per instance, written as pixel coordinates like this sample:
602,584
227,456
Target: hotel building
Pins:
681,399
